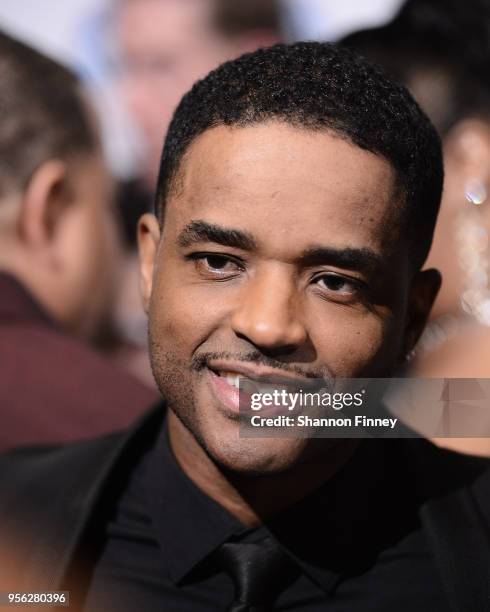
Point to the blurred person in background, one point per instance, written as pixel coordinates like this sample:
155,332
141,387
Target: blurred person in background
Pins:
167,45
58,257
164,47
440,49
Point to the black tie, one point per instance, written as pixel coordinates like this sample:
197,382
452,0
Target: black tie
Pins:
259,570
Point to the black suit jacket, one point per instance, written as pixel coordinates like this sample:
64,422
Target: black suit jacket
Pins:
54,504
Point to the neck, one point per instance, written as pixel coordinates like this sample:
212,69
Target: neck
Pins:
255,498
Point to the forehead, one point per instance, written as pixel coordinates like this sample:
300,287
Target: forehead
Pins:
306,186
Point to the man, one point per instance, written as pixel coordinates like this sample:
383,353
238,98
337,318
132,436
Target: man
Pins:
57,261
297,196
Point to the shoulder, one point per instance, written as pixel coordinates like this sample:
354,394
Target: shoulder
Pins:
58,389
43,474
54,352
50,494
438,471
43,494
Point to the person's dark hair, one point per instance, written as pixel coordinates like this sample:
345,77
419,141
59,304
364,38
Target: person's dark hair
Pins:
241,16
441,50
318,86
42,115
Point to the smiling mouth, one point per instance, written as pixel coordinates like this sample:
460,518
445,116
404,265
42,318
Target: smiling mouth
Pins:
248,384
235,385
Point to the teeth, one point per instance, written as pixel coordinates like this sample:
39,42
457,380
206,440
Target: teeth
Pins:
232,379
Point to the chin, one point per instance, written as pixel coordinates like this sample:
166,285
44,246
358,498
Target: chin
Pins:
254,456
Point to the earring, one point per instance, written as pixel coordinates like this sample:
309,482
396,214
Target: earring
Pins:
476,192
410,356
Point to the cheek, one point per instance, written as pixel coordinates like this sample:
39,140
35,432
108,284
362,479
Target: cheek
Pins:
352,343
183,314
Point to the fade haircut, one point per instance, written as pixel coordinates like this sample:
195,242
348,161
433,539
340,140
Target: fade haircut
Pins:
318,86
42,115
441,50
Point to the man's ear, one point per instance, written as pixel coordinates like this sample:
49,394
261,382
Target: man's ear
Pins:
423,292
43,200
148,239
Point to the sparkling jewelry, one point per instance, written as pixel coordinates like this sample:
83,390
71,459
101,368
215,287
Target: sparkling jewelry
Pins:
476,192
472,242
472,246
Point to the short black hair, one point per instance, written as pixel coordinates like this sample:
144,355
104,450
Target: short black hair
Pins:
42,114
444,42
318,86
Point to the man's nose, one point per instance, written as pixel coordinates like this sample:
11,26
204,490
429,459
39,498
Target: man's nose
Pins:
269,314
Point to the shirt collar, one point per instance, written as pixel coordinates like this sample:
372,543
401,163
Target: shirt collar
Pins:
189,525
336,531
18,304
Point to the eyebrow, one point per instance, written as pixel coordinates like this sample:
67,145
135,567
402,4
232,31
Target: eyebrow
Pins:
360,259
200,231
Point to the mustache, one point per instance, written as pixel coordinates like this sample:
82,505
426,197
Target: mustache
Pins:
199,362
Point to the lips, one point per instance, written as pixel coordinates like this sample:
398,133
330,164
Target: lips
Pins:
232,378
226,393
264,379
233,388
247,386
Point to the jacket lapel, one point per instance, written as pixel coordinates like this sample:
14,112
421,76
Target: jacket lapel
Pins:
95,465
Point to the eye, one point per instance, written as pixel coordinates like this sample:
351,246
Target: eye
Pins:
216,266
338,285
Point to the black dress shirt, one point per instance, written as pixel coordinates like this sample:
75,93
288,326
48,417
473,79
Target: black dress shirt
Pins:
356,541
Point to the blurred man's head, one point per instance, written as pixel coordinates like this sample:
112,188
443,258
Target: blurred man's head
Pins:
57,231
296,202
440,50
166,45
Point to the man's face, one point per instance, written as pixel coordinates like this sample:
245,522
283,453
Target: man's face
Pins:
166,45
280,256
